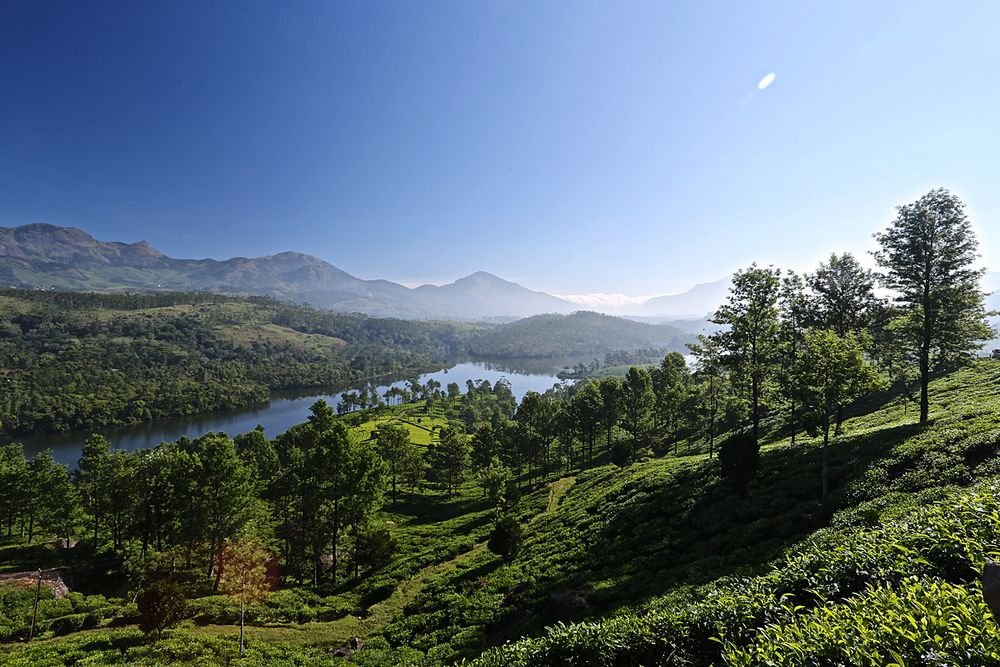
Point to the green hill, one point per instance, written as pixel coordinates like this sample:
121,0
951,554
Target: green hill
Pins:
662,563
82,360
577,335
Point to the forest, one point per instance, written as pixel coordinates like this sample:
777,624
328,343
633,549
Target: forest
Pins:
75,361
825,468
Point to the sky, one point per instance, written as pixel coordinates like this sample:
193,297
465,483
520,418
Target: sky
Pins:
575,147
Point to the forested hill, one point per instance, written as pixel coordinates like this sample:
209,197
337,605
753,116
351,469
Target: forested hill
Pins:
79,360
74,360
579,334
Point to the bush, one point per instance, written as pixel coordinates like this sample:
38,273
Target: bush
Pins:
505,537
161,605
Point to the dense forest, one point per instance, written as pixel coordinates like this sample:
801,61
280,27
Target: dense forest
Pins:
75,360
821,477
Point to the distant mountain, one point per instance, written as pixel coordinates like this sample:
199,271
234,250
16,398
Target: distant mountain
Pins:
582,333
695,303
43,256
51,257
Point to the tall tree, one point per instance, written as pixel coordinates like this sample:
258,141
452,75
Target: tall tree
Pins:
830,372
13,484
585,411
225,491
671,387
843,295
392,442
448,458
748,344
928,253
245,577
611,391
92,478
794,315
637,400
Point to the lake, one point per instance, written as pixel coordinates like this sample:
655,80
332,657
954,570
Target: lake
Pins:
279,414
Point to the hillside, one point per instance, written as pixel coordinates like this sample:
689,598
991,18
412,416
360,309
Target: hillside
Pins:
580,334
665,562
73,361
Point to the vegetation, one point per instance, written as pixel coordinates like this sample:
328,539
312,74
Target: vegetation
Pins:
589,525
73,361
581,334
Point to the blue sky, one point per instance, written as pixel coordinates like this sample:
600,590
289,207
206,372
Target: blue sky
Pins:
575,147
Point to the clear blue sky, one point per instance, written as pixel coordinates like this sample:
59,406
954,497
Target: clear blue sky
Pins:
572,146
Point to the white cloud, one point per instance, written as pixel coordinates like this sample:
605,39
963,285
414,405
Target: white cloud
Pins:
605,302
766,81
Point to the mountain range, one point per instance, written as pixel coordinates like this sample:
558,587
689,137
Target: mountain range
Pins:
44,256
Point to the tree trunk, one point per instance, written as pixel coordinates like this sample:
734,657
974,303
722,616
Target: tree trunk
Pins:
218,567
243,608
825,467
924,379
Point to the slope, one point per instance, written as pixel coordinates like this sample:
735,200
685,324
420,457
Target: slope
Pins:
578,335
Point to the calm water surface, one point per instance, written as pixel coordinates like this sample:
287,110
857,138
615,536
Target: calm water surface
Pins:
277,415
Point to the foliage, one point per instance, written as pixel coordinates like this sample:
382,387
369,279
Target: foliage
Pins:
161,605
928,252
739,458
505,538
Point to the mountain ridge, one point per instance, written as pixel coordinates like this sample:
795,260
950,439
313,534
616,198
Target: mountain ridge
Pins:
46,256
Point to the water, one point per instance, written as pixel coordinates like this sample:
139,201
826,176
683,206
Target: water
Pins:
277,415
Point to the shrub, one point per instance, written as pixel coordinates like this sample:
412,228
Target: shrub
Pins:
161,605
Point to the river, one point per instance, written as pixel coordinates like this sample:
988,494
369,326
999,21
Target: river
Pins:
277,415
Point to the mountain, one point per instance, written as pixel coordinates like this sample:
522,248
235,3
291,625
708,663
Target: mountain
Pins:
51,257
43,256
695,303
582,333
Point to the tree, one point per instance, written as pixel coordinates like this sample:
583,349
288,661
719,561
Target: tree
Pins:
748,345
245,576
485,446
843,295
536,415
496,479
505,538
795,311
374,547
392,443
13,484
225,493
50,499
161,605
92,478
637,401
671,386
258,453
412,468
448,458
611,390
739,456
927,253
585,413
830,372
843,299
343,483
